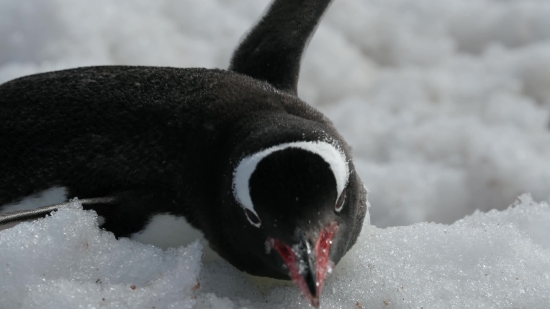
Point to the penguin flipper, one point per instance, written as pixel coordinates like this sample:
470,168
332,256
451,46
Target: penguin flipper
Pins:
31,214
273,49
124,213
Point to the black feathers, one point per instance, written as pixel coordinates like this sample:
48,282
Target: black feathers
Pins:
272,51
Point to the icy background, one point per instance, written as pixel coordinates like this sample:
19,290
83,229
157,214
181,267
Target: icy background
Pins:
446,104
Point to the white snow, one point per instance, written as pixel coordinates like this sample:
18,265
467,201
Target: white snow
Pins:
487,260
65,261
447,107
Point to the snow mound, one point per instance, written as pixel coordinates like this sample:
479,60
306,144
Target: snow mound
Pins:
487,260
65,261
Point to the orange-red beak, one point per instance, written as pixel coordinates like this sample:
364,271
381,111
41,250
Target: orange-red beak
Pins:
308,265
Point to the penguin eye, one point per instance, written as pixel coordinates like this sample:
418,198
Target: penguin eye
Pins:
252,217
340,202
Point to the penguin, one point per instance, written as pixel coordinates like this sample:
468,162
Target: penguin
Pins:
263,175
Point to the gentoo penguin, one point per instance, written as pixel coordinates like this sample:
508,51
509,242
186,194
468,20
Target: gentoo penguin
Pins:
266,177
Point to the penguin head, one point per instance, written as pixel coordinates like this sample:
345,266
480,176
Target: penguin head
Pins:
296,205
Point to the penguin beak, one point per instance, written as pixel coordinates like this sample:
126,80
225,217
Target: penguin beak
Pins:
308,264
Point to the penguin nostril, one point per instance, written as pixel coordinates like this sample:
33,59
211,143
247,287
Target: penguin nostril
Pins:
252,217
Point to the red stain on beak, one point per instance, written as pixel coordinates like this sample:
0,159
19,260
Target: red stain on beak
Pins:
322,250
308,268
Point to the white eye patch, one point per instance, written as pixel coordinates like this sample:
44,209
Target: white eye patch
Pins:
241,176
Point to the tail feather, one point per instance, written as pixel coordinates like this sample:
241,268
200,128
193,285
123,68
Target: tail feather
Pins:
273,49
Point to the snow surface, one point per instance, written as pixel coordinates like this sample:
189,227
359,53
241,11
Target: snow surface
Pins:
447,107
492,260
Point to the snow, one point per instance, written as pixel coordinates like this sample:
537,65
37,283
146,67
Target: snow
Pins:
446,105
65,260
487,260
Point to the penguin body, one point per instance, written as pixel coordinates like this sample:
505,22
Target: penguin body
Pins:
234,152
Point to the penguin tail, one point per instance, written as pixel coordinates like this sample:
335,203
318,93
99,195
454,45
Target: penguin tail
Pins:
273,49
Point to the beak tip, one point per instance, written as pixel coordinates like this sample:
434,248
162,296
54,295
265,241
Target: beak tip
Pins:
309,264
315,302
